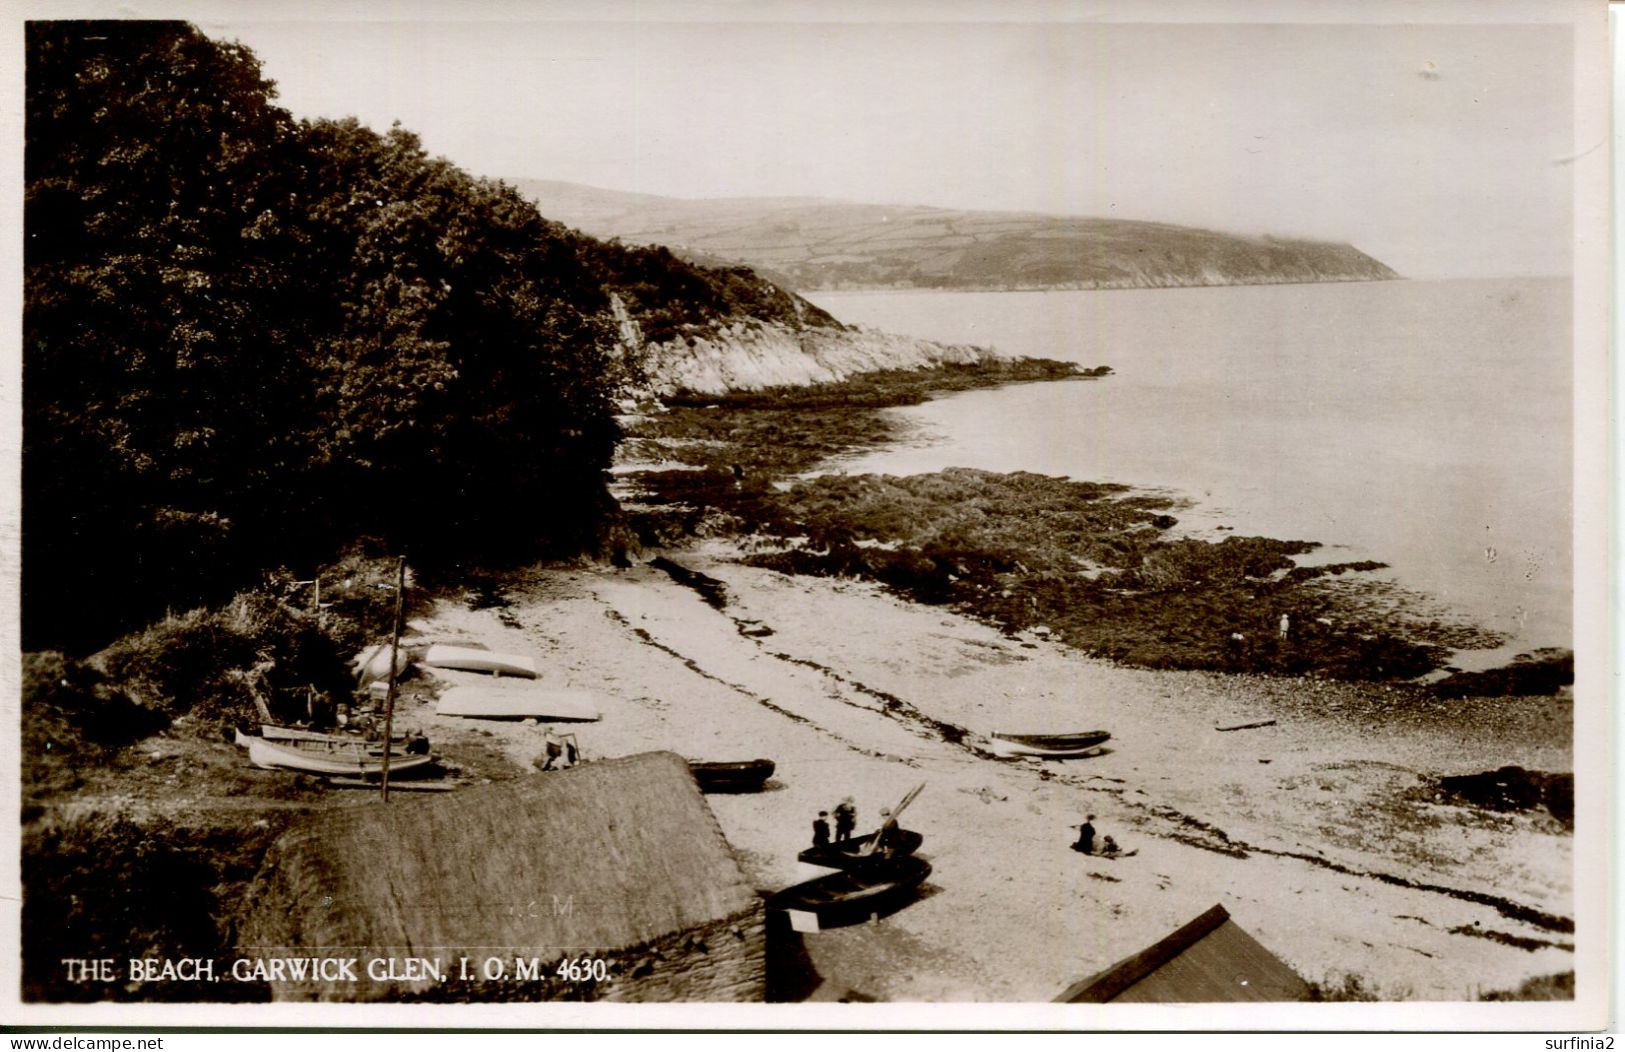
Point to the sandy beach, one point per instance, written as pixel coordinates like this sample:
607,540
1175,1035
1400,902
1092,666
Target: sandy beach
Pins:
1319,833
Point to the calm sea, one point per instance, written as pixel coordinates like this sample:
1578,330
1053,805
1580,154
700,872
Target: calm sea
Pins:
1426,424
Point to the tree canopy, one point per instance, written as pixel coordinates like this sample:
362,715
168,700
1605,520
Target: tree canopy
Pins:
249,339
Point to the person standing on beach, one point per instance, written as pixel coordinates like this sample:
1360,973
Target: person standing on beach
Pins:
1086,836
846,819
1286,625
821,829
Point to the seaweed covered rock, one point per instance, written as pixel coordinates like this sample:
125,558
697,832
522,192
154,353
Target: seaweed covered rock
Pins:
1543,672
1513,788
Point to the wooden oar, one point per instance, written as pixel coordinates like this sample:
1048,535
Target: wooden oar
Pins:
891,821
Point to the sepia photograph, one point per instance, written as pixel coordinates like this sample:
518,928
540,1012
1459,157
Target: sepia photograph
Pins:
1064,516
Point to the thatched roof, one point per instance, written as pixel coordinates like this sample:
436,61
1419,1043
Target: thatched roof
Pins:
607,855
1210,959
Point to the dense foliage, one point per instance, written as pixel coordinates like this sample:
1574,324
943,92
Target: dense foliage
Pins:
113,887
249,339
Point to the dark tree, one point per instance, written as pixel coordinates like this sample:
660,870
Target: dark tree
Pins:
247,339
158,317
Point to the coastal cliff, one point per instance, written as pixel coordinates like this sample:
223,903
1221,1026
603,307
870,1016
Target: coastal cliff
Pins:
752,355
812,243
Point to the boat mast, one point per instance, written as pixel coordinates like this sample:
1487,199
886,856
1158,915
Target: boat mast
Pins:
394,657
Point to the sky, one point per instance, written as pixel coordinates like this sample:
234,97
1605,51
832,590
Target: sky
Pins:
1443,149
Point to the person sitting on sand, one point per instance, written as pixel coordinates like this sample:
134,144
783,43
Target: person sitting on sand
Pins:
552,748
1086,837
846,819
821,829
1109,848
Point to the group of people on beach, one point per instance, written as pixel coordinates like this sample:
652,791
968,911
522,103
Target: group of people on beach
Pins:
1086,841
846,820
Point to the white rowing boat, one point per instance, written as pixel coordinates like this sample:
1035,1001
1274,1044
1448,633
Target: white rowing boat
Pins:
354,762
546,704
472,659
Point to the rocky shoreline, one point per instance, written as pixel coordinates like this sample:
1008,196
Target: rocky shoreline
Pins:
1100,566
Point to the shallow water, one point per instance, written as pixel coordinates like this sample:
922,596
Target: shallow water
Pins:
1427,424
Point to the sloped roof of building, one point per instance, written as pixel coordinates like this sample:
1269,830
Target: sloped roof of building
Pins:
611,854
1209,959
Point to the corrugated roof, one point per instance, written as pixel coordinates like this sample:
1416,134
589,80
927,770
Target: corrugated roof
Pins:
1209,959
609,854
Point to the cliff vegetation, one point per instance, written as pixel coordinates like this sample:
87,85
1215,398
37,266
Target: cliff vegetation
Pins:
249,339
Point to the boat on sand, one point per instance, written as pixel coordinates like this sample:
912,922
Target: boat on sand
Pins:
547,704
742,776
856,850
372,664
473,659
271,732
1052,746
333,744
850,894
355,762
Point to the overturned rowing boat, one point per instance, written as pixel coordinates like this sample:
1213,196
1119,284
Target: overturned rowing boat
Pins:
472,659
1052,746
742,776
547,704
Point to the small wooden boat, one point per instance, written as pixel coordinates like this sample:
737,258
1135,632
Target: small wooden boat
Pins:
472,659
827,900
546,704
274,733
743,776
355,763
332,744
855,850
1053,746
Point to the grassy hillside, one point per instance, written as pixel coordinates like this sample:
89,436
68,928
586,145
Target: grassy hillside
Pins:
809,243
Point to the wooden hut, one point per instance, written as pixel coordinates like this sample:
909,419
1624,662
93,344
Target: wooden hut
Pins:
1210,959
481,895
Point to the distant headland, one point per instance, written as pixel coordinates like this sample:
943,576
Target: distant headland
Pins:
812,244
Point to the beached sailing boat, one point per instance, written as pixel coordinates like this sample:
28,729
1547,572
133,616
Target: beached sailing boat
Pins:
873,878
355,758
